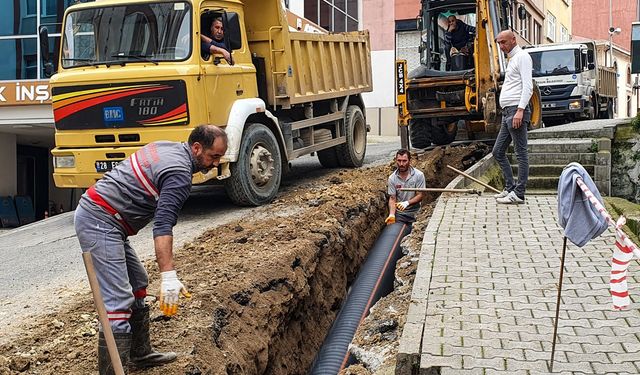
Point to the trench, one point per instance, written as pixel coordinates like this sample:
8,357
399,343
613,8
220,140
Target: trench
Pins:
303,322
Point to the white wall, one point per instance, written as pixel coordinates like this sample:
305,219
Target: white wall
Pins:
383,69
297,7
8,164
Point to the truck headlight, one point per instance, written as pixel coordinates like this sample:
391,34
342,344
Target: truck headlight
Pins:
64,161
575,105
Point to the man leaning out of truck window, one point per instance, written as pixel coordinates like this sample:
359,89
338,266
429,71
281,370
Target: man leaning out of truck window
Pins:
214,42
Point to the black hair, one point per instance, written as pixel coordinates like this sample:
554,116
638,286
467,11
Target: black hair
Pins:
206,135
404,151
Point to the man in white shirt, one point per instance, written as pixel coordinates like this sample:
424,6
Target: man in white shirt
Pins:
516,116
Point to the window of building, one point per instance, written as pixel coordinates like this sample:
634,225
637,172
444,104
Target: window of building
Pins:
537,33
564,34
19,25
551,27
524,26
333,15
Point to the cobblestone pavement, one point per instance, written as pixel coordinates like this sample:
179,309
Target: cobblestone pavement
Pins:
487,279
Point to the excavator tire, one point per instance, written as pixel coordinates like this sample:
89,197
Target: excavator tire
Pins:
419,133
443,133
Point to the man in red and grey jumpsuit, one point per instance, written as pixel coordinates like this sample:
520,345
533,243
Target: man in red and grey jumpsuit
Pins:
153,183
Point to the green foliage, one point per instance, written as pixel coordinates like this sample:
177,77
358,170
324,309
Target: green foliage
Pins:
635,123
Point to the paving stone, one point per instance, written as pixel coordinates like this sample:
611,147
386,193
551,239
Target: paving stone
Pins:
492,297
601,368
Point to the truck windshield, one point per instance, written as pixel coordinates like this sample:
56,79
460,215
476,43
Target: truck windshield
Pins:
117,35
555,62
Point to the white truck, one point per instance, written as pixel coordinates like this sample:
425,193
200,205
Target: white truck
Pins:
574,85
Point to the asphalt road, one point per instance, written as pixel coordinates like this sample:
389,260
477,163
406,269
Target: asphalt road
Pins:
41,267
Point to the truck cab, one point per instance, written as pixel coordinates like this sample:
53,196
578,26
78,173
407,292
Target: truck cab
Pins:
573,85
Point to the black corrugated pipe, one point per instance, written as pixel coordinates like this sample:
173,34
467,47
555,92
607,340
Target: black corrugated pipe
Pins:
374,280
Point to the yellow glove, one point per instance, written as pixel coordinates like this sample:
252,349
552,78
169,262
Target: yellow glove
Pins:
402,205
390,220
170,290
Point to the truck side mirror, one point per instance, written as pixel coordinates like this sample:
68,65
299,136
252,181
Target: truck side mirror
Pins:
232,29
591,66
44,51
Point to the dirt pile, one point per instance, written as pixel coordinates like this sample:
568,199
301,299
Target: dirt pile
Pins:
265,289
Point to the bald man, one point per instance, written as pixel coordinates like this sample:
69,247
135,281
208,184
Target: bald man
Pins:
516,115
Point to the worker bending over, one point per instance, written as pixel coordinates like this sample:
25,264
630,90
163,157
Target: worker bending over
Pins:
153,183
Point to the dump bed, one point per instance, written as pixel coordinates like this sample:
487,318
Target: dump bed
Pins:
303,67
607,82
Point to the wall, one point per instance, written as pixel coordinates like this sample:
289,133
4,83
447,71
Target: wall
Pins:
407,43
378,18
590,19
8,166
406,9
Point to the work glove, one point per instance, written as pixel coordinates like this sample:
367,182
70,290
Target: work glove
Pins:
402,205
390,220
170,290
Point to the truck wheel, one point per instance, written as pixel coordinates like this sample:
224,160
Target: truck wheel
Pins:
596,108
609,112
255,177
329,158
419,134
443,134
351,153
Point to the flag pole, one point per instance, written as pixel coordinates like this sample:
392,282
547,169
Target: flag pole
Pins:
555,323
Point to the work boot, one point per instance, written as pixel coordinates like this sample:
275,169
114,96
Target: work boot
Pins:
123,343
142,354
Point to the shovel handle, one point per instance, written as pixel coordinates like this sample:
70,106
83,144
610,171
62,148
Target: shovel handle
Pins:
102,314
474,179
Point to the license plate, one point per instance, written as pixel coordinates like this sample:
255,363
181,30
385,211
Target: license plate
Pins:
106,165
548,105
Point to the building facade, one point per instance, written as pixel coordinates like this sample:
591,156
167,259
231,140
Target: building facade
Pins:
557,25
26,119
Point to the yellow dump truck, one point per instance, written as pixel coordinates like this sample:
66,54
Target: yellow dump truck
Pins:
135,72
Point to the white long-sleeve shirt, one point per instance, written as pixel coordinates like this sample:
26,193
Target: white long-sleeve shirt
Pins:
518,85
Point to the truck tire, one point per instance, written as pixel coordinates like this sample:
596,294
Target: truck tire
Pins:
329,158
608,114
419,134
596,108
351,153
444,133
255,177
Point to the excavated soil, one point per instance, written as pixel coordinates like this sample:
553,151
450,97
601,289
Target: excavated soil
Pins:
265,289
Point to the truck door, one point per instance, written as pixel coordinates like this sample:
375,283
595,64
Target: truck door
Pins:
223,82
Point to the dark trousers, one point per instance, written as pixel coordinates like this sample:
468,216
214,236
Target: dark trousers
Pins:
519,137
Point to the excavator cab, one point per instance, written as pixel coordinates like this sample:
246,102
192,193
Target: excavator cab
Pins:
461,70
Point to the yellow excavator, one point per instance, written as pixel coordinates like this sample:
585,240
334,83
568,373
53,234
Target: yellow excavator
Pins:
451,90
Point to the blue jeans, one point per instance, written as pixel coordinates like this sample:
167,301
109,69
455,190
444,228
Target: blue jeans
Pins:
519,136
120,273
